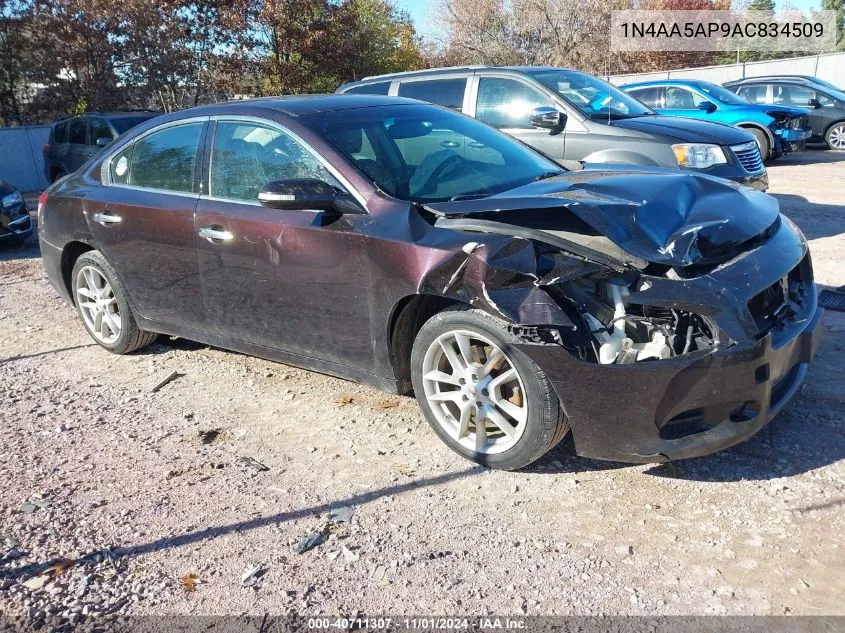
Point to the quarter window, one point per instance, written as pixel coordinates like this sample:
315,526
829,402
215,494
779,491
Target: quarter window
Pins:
506,103
445,92
246,156
380,88
166,159
76,132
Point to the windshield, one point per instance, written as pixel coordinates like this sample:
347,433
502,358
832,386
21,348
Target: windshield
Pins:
425,154
591,95
723,95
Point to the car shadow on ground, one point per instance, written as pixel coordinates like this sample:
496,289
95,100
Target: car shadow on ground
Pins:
815,154
198,536
45,352
815,220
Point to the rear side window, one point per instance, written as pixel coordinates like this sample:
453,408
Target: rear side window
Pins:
166,159
649,96
754,94
444,92
380,88
76,132
60,134
506,103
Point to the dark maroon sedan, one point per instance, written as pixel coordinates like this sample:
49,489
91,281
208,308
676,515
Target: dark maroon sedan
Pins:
658,313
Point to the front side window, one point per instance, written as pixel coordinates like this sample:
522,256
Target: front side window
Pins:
445,92
380,88
166,159
678,98
76,132
592,96
246,156
507,103
425,154
792,95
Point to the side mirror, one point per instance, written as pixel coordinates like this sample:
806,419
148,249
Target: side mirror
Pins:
103,141
707,106
306,194
547,118
814,103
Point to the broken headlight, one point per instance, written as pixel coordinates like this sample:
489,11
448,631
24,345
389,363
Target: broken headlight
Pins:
698,155
13,199
626,333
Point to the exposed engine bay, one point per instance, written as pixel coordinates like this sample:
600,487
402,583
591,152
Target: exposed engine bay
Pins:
623,333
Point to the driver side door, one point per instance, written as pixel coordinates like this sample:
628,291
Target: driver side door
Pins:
290,280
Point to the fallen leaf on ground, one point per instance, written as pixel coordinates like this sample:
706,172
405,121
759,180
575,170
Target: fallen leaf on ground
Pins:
344,400
341,514
388,404
58,567
252,575
189,583
253,463
309,542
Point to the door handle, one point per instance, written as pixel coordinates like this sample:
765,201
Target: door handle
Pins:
107,219
215,234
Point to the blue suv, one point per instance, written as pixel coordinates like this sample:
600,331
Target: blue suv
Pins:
778,129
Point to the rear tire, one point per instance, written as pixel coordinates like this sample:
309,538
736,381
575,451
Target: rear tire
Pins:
762,142
103,305
496,407
835,136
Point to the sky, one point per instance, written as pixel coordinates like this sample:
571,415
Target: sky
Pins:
420,11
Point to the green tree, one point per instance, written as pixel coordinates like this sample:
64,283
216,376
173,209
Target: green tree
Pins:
839,7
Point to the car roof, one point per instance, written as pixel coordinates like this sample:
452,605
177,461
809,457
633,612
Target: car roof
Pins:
448,70
666,82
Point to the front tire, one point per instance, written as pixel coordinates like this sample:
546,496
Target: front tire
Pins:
103,305
835,136
483,397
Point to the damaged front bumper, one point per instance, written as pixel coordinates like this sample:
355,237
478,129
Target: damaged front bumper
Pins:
687,406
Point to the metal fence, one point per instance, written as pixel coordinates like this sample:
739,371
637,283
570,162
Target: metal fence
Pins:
827,67
21,159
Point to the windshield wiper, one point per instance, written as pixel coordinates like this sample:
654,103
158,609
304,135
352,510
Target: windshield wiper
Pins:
469,196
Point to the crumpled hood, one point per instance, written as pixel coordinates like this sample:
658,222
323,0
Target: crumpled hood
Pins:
686,130
662,216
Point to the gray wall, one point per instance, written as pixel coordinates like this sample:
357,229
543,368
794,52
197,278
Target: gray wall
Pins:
21,160
827,67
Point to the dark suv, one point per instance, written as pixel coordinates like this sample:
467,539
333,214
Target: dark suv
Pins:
826,102
572,116
73,140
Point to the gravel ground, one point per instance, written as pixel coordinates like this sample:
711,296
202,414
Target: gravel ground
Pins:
123,500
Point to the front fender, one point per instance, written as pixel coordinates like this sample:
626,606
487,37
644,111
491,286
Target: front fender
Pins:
627,157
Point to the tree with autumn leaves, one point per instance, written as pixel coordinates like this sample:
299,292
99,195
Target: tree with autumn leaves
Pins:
66,56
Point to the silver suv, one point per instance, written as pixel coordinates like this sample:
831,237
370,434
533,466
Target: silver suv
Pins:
572,116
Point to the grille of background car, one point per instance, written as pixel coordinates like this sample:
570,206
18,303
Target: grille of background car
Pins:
748,155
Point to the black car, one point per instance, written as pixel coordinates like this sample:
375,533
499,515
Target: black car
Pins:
825,101
73,140
660,314
15,223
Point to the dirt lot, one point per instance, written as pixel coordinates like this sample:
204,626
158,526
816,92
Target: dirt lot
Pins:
152,487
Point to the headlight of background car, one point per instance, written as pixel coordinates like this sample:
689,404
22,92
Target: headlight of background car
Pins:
12,200
698,155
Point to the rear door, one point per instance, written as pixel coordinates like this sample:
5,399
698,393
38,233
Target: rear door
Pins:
143,221
506,103
296,281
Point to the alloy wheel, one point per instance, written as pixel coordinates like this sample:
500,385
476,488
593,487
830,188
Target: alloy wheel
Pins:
475,392
836,137
98,305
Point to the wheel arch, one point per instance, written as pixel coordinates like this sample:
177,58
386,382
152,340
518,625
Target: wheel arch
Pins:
830,125
408,316
70,253
764,129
